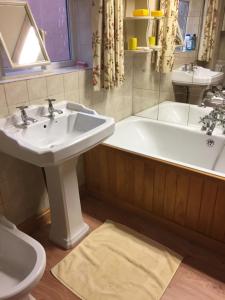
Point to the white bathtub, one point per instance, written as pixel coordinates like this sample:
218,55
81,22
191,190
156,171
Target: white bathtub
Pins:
179,144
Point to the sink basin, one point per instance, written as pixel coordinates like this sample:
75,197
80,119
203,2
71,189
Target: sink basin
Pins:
52,141
200,76
55,144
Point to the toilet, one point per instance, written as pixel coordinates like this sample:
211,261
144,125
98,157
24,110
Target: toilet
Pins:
22,262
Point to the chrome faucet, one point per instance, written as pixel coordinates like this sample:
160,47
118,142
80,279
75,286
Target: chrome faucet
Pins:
215,117
26,120
189,67
51,109
213,97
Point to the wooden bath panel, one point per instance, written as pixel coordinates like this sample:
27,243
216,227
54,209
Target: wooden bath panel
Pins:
189,198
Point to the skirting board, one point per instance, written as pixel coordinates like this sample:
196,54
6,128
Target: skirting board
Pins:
36,222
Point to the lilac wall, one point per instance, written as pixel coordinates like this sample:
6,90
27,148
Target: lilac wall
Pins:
51,16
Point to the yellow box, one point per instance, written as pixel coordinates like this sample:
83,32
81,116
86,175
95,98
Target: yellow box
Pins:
141,12
152,40
132,43
157,13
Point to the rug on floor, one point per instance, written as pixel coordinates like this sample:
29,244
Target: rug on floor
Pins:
117,263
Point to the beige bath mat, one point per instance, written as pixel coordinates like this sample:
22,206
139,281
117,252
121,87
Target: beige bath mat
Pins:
116,263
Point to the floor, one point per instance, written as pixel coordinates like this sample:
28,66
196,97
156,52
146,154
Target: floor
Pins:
201,275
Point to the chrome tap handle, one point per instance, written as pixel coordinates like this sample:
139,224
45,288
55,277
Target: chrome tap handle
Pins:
206,120
24,116
50,100
22,107
50,105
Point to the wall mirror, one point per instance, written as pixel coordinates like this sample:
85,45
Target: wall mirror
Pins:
184,79
21,43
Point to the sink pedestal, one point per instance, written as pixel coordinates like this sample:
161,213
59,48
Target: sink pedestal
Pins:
67,226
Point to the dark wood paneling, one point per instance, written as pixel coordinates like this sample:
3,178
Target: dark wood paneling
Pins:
194,202
207,205
182,189
170,194
191,199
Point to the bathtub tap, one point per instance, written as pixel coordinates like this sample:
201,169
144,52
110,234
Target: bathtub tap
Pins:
214,118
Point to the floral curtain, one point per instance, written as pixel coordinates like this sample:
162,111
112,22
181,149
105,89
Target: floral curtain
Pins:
167,35
208,36
107,43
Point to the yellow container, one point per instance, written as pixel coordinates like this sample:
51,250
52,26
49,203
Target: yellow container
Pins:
132,43
152,41
141,12
157,13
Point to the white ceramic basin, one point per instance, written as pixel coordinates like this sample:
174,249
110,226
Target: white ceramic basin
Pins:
200,76
55,144
52,141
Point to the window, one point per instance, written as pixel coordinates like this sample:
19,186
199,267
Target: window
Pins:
52,17
183,15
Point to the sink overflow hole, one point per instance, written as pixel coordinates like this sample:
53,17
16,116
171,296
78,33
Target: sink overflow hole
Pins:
45,126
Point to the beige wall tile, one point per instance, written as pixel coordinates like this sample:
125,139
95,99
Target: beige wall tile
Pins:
58,97
85,88
4,111
144,75
16,93
72,96
166,82
71,82
143,99
55,85
166,96
22,188
196,8
37,89
2,96
39,102
118,107
193,25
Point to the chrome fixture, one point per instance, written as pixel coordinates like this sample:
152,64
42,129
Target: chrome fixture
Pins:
214,96
26,120
210,143
189,67
214,118
51,109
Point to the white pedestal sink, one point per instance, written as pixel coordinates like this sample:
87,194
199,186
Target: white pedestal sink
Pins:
200,76
56,144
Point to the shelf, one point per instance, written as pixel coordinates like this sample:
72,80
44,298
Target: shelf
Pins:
139,51
150,50
143,18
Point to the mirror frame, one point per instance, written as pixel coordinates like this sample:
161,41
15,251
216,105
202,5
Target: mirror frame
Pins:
3,46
